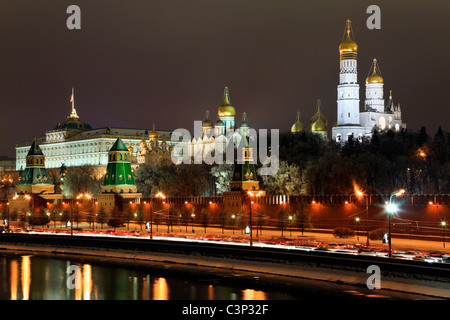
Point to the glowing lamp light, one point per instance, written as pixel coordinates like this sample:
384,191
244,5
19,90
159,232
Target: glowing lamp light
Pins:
160,195
313,202
400,192
346,202
443,223
430,203
391,208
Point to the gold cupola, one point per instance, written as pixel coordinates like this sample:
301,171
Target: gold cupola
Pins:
375,77
348,48
153,134
297,126
226,109
318,121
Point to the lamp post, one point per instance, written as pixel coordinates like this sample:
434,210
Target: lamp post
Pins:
443,225
192,218
151,220
357,228
7,220
360,194
158,195
233,217
392,209
290,226
251,194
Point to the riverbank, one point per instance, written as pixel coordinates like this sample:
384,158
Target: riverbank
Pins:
284,276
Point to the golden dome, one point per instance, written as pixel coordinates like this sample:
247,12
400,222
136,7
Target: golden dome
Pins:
143,144
374,77
319,114
226,109
348,45
153,134
319,125
297,126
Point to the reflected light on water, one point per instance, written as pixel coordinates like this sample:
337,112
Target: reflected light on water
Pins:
87,281
250,294
210,292
26,277
160,289
14,279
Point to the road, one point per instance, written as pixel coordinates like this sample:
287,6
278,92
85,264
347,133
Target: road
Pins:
398,244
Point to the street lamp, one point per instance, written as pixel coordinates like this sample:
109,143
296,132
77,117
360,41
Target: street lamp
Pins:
233,216
360,194
392,209
443,225
357,228
251,194
290,225
158,195
193,217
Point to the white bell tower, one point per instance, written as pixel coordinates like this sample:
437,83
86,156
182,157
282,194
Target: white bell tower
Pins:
348,122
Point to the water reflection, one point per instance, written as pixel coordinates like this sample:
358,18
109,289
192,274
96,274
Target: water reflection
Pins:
37,278
26,277
160,289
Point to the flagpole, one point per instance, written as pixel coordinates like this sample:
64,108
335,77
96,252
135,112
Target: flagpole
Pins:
73,101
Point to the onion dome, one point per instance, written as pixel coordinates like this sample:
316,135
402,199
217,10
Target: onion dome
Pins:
143,144
319,114
348,46
219,123
244,123
374,77
297,126
226,109
207,123
153,134
319,125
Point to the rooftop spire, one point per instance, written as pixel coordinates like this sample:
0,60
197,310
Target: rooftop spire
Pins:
226,97
73,115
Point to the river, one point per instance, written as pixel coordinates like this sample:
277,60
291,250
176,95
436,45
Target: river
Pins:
33,277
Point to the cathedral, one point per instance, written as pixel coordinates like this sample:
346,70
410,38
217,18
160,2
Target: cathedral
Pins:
355,120
318,123
215,134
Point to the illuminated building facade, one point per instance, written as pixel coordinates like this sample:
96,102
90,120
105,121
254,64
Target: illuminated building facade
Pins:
351,120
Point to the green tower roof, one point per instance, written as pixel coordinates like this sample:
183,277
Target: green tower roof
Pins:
35,150
119,146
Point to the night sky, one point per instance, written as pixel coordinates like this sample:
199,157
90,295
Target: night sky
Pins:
135,63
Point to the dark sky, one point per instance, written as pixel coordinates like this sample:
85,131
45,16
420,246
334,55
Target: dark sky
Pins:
135,63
